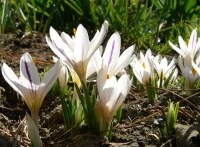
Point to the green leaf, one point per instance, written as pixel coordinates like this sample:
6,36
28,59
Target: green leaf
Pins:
189,4
33,132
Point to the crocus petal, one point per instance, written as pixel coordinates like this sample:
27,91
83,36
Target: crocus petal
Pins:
63,77
170,67
90,69
164,62
176,48
138,69
81,44
197,45
11,78
124,60
98,38
68,40
180,63
183,45
58,46
29,77
28,70
192,42
16,84
58,52
122,91
48,81
96,59
196,67
112,50
101,79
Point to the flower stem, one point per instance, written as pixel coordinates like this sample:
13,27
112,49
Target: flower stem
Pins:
34,116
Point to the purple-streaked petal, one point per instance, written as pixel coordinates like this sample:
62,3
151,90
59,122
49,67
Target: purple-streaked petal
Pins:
28,70
58,46
16,84
30,79
112,50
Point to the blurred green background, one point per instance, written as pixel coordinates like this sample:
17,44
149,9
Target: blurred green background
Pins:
146,23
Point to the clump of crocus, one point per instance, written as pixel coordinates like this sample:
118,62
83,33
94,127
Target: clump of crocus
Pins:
77,51
144,71
188,55
29,85
111,96
167,73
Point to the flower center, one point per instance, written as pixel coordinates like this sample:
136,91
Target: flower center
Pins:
143,65
107,76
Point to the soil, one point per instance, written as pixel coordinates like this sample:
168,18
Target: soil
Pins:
141,123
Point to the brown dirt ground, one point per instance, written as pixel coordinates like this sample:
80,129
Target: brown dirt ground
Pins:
141,123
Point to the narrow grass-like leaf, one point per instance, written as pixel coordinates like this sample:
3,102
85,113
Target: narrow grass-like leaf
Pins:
33,132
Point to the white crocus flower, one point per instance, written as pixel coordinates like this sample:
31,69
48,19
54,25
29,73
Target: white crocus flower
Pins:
77,51
188,51
189,72
28,85
143,68
111,96
111,57
63,75
164,69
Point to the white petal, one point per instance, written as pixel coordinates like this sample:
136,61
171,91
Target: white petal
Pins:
110,90
101,79
81,44
170,67
176,49
180,63
16,84
58,46
63,77
68,40
156,64
97,59
192,42
124,60
48,81
183,45
196,67
98,38
11,78
90,69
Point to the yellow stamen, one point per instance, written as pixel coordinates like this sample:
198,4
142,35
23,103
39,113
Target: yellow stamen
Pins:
34,60
76,79
187,42
107,77
143,65
74,30
194,71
